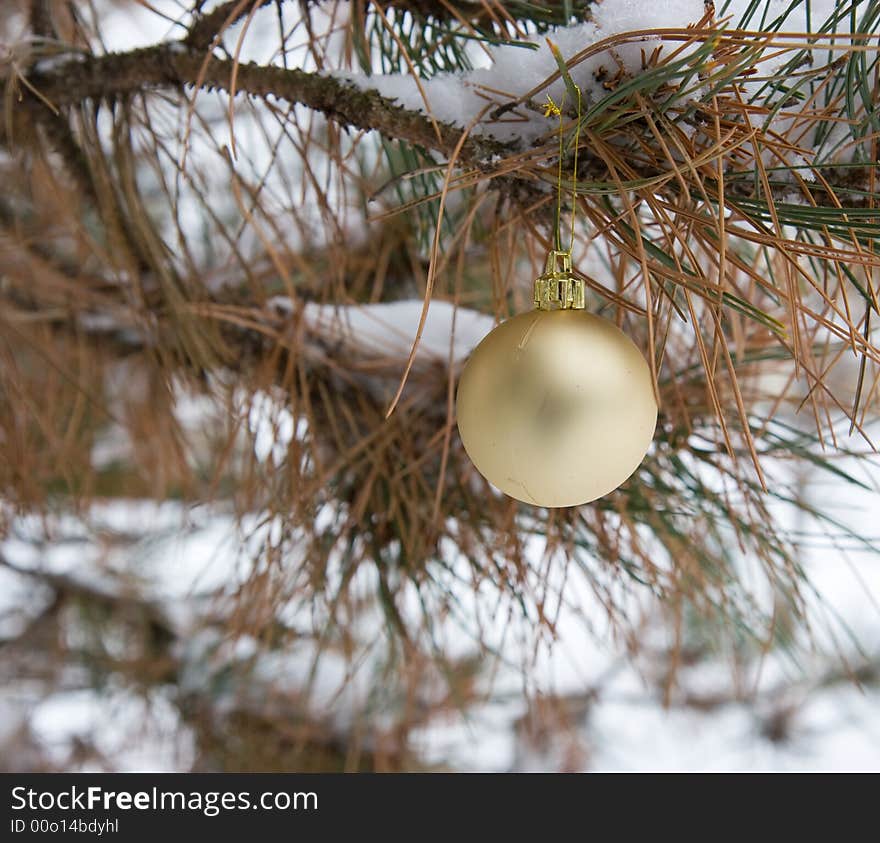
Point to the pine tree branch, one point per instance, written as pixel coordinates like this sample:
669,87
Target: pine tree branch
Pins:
207,27
175,64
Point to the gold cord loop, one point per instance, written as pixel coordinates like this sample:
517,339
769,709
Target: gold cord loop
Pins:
557,288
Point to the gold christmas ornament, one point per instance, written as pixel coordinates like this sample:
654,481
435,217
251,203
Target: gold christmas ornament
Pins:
556,406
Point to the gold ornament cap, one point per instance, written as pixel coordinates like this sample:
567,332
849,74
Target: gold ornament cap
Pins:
556,288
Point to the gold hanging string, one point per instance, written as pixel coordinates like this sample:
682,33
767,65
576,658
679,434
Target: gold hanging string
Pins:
557,288
550,110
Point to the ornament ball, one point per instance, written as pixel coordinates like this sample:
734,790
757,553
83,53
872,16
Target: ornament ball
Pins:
556,407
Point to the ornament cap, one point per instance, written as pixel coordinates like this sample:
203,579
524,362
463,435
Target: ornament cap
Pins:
556,288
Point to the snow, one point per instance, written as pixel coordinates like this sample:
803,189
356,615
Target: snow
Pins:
467,99
51,64
139,734
459,98
388,328
128,26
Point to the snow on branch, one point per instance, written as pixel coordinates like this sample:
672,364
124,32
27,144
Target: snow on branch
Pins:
519,68
627,36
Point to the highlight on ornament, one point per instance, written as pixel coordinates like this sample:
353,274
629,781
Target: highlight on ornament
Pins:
556,407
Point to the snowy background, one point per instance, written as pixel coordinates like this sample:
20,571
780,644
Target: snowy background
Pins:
615,721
